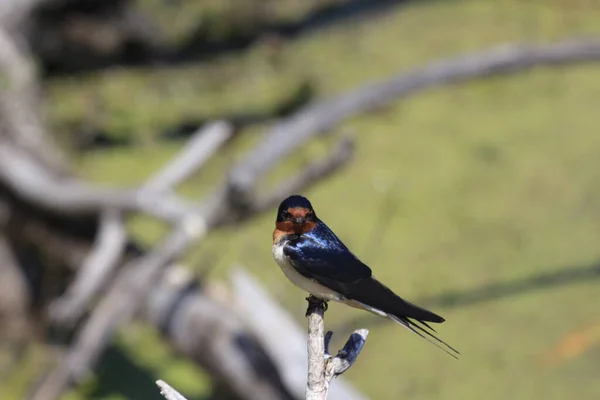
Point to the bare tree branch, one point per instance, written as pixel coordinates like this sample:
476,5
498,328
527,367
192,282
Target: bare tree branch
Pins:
272,323
34,183
322,116
316,386
130,288
315,171
292,132
112,237
95,272
19,119
347,356
204,325
168,392
118,306
204,143
322,368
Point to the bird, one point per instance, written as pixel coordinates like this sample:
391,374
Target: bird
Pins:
313,258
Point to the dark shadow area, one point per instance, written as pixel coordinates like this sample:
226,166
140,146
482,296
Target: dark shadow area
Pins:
495,291
117,374
74,37
499,290
84,138
296,100
198,48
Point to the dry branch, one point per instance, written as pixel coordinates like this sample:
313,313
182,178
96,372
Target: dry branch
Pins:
205,326
316,385
203,144
19,118
322,368
33,183
130,288
168,392
95,272
317,170
272,322
346,357
138,277
323,116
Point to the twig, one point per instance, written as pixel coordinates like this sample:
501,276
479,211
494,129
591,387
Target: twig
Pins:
136,280
201,323
168,392
316,386
34,183
322,368
122,301
320,117
315,171
347,356
198,150
19,117
290,133
272,322
95,271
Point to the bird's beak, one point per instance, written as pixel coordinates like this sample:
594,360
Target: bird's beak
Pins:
299,220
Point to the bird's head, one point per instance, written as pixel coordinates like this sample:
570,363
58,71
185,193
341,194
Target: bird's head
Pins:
296,215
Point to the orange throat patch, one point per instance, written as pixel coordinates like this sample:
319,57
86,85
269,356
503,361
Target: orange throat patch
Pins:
288,228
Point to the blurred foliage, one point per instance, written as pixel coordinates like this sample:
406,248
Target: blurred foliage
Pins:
492,181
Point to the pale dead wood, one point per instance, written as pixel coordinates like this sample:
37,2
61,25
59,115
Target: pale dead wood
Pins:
280,335
126,295
322,116
168,392
202,323
95,271
199,149
322,367
347,356
130,288
20,123
112,238
339,156
24,176
316,385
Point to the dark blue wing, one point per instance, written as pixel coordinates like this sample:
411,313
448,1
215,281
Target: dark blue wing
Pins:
321,256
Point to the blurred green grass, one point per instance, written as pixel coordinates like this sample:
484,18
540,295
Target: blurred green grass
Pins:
486,182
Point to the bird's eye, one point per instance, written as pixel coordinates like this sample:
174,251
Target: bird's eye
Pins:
285,214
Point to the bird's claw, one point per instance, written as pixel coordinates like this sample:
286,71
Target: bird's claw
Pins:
315,304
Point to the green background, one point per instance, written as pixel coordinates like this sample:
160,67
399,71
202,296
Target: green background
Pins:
479,200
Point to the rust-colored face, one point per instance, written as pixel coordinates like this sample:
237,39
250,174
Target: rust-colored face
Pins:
295,221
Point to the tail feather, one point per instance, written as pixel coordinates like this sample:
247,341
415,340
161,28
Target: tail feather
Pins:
437,342
374,293
410,325
427,325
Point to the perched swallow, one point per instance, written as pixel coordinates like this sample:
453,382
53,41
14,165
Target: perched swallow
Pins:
316,260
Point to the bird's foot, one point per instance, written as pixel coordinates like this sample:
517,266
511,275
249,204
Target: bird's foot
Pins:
315,304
